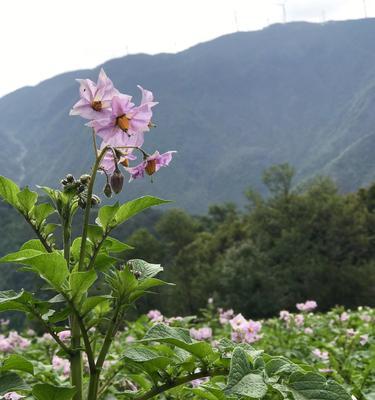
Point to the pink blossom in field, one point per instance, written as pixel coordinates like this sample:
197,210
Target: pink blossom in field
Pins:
155,316
237,321
61,365
309,305
363,339
173,320
129,339
225,316
108,163
201,333
350,332
95,102
323,355
150,165
12,396
197,382
344,316
5,345
365,318
64,335
308,331
285,315
18,341
46,337
299,319
31,332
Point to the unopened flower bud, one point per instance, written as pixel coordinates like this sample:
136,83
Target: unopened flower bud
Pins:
85,179
137,274
95,200
150,167
81,202
70,178
80,189
117,181
63,182
107,190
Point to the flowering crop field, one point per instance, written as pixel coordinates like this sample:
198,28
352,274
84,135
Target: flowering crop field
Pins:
338,344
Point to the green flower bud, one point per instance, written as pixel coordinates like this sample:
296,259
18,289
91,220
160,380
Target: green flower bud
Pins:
70,178
85,179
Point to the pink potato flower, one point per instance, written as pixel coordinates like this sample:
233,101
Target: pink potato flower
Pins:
95,102
12,396
310,305
150,164
201,333
125,119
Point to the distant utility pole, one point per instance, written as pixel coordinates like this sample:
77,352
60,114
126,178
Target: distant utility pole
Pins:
365,8
235,20
283,7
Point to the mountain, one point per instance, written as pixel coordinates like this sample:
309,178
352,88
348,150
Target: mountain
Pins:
299,92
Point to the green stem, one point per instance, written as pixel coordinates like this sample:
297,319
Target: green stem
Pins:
179,381
88,208
76,366
38,234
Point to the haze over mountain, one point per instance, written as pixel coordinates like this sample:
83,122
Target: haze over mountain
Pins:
300,93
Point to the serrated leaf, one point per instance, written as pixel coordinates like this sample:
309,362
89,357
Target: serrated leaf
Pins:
44,391
312,386
15,362
134,207
9,191
27,199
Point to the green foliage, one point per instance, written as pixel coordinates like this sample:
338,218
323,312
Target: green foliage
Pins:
45,391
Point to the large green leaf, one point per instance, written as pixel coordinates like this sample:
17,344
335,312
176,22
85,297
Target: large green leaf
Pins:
134,207
91,302
34,244
41,212
44,391
27,199
80,282
312,386
239,367
11,382
9,191
149,359
113,245
15,362
50,266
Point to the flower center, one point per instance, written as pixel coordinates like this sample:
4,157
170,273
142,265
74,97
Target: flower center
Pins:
123,123
150,167
97,105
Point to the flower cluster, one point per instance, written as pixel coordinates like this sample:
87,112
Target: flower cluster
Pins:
13,342
310,305
225,315
201,333
121,125
245,331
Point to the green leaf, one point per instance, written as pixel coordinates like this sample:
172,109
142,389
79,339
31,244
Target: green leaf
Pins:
12,301
103,262
312,386
106,215
41,212
149,358
27,199
9,191
144,269
15,362
239,367
113,245
281,366
50,266
178,337
44,391
34,244
11,382
251,385
134,207
95,233
91,302
21,256
80,282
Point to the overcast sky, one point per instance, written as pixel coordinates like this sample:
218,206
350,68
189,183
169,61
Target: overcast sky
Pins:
42,38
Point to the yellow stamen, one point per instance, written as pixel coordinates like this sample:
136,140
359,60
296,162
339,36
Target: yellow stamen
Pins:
123,123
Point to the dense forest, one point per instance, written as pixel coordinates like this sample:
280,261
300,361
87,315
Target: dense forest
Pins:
299,242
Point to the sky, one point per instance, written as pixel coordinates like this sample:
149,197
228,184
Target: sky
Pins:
42,38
